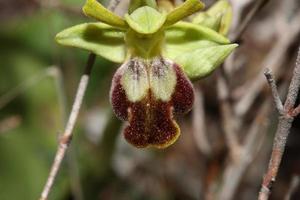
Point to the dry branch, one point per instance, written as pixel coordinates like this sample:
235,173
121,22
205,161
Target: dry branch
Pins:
67,136
283,129
65,140
274,89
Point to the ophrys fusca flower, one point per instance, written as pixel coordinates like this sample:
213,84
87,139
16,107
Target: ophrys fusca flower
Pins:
160,54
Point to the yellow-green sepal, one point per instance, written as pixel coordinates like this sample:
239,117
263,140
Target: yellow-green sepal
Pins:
186,9
184,36
94,9
196,48
203,61
99,38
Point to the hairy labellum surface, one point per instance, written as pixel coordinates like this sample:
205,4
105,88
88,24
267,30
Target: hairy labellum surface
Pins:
147,94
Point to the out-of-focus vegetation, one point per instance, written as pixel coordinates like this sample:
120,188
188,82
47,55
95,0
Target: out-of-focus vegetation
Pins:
30,124
99,164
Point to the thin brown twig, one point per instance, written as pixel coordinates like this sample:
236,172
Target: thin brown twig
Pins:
234,171
76,187
272,83
65,140
67,136
282,133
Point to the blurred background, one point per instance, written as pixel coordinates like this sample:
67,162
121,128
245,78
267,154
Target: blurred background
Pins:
38,81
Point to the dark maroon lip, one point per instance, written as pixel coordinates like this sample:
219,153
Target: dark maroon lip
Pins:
151,120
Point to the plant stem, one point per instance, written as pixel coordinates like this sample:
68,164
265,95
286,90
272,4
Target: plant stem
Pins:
283,129
67,136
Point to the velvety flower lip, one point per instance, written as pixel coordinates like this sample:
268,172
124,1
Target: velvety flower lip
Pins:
147,94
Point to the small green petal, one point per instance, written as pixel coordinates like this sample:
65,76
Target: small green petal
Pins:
186,9
99,38
94,9
145,20
203,61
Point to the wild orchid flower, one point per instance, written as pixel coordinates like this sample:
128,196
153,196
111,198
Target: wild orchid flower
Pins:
159,55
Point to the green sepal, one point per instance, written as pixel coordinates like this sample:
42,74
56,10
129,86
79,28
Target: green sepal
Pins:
220,12
186,9
203,61
145,20
184,36
94,9
135,4
99,38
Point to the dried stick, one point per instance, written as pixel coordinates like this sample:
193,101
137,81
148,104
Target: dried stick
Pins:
276,98
283,129
76,187
67,136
